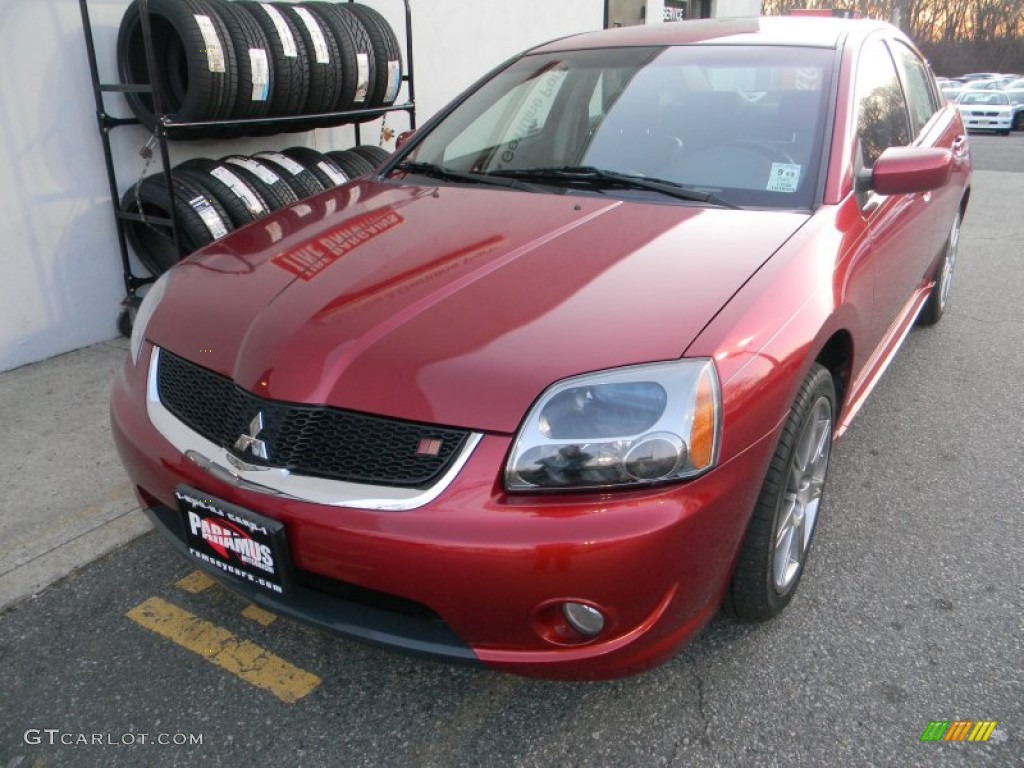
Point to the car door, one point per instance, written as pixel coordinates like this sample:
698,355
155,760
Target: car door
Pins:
898,224
934,124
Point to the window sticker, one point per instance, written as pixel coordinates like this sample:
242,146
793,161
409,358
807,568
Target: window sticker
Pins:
784,177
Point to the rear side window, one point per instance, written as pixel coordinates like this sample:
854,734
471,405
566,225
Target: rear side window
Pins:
881,108
917,82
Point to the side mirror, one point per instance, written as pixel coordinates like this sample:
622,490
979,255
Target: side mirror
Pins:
403,139
903,170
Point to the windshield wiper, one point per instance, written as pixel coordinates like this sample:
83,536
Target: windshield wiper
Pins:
588,174
450,174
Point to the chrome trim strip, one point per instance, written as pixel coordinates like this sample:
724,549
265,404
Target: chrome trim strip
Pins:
281,483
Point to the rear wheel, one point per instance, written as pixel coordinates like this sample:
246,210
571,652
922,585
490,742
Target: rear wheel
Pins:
934,307
774,551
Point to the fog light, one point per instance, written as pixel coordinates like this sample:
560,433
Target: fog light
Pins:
583,618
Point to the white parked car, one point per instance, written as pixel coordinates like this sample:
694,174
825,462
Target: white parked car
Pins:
986,111
1015,92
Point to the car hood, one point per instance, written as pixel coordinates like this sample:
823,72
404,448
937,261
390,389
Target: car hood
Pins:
455,305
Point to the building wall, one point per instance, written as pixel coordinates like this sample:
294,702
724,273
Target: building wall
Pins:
721,9
61,283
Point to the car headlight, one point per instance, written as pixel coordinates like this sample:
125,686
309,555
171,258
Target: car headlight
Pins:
625,427
149,304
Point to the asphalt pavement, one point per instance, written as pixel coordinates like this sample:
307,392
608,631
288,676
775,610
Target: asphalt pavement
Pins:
910,611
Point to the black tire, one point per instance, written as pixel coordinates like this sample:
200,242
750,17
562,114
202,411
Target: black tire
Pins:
1004,133
387,52
935,305
200,220
327,172
253,61
302,181
124,324
355,54
377,156
766,574
198,77
322,57
237,196
264,179
290,87
352,163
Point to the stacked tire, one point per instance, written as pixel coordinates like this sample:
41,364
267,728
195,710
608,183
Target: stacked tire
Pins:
214,197
237,60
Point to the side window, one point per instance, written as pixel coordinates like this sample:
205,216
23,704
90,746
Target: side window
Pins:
917,81
881,108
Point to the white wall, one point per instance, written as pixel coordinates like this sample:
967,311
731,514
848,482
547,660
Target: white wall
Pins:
722,9
61,282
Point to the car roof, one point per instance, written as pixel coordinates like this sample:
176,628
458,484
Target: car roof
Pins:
809,31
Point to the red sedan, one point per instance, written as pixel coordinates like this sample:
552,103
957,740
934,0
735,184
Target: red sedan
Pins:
562,378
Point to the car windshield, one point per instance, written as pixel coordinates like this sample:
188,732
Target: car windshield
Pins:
991,97
742,125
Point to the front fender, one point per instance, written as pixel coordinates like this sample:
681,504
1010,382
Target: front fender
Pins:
766,338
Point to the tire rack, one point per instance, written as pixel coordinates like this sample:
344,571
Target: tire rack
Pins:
167,130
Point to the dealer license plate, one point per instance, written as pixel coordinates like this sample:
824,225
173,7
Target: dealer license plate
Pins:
241,543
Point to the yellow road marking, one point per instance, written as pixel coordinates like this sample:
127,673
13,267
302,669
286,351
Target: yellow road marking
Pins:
246,660
257,614
195,582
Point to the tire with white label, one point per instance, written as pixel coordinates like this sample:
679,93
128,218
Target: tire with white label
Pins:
253,61
377,156
196,62
387,54
356,54
327,172
238,197
302,181
322,52
352,163
290,86
264,179
199,217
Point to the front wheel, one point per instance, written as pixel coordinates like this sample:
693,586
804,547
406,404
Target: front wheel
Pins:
774,550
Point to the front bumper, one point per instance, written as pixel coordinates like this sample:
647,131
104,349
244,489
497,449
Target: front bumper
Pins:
471,576
988,123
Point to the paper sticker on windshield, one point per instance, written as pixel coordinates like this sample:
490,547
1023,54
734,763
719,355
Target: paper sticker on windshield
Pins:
785,177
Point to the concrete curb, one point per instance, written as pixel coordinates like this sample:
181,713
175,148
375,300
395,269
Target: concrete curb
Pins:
67,501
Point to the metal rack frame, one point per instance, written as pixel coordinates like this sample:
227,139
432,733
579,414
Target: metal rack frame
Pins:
167,129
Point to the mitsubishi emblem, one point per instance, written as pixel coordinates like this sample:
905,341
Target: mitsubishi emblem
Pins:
248,440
